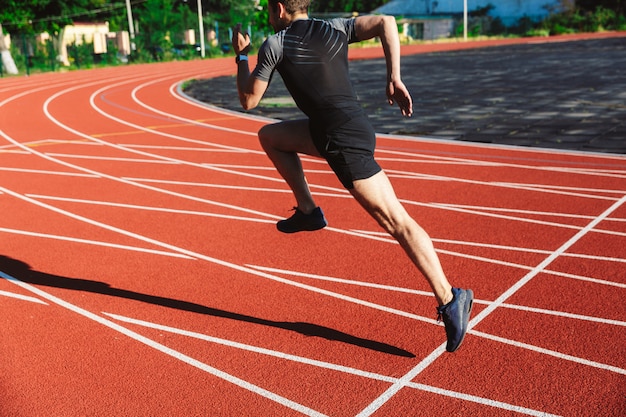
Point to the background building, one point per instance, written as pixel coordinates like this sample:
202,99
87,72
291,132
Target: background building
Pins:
432,19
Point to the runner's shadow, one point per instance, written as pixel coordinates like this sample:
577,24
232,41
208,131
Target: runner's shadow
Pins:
23,272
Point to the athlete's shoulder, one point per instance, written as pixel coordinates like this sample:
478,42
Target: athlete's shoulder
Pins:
269,56
343,24
275,40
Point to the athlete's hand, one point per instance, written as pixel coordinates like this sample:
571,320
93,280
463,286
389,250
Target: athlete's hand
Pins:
398,93
241,41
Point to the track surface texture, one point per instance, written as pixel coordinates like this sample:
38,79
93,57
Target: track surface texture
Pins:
141,273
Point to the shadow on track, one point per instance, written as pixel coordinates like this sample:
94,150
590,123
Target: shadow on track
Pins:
23,272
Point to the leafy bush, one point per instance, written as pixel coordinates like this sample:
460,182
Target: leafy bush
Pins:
580,20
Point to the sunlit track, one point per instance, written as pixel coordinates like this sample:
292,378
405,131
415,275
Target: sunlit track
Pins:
369,235
166,350
158,159
421,367
245,150
183,199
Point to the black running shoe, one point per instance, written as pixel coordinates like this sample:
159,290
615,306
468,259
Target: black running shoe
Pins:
303,222
455,316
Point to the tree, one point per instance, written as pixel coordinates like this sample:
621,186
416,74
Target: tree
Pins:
211,6
36,16
618,6
158,22
348,6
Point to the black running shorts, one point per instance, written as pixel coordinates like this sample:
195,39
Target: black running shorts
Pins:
348,149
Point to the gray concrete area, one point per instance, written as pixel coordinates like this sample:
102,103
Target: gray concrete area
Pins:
567,95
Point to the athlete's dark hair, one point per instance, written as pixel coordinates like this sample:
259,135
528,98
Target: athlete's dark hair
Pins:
291,6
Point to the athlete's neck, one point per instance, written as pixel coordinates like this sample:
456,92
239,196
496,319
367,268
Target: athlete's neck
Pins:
298,16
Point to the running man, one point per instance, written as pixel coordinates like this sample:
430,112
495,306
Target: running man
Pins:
311,56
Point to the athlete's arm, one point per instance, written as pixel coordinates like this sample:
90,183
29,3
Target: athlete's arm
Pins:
250,89
384,27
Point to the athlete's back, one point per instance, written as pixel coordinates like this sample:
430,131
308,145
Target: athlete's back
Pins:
312,58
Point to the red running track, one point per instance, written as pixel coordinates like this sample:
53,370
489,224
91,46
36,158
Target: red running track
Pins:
142,274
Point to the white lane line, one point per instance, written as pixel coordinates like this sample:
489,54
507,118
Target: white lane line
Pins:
176,91
255,349
586,279
337,192
421,160
183,148
164,349
22,297
540,189
139,128
517,218
156,157
169,116
151,208
593,257
535,152
395,388
429,294
254,167
506,217
45,142
45,172
529,212
418,159
93,242
29,85
577,189
364,284
479,400
325,365
552,353
181,119
56,85
110,158
13,152
521,345
209,185
537,251
556,169
495,184
565,314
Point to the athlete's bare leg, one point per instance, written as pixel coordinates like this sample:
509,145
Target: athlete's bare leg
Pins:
377,196
282,142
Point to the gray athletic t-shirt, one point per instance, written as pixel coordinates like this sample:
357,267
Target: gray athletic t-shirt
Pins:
312,58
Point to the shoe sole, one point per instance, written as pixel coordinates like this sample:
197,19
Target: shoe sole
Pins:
307,229
304,229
